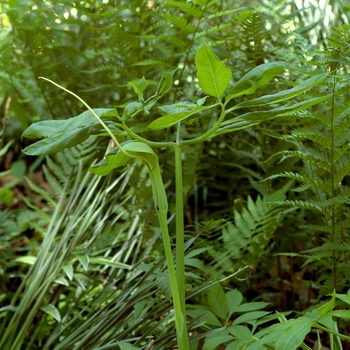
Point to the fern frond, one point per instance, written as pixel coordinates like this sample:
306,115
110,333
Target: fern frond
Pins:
190,8
252,229
342,169
309,155
301,204
181,22
319,137
317,183
341,36
253,34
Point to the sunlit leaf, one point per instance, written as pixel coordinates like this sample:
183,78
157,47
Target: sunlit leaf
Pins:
171,119
257,77
212,74
285,94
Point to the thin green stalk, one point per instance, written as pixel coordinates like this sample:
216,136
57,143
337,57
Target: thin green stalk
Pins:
334,262
161,205
139,138
180,237
211,131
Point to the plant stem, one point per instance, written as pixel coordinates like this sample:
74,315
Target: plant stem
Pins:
211,131
180,239
333,232
161,205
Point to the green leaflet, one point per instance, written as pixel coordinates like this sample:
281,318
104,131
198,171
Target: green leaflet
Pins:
213,75
257,77
57,135
294,332
252,118
285,94
172,119
217,301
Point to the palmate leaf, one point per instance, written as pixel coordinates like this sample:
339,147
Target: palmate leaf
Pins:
213,75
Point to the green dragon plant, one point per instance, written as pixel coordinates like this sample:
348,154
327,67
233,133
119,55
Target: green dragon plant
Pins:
215,79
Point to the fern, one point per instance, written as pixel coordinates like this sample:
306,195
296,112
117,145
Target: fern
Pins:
245,240
254,34
321,143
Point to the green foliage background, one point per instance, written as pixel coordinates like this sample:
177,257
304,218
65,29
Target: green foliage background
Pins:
273,197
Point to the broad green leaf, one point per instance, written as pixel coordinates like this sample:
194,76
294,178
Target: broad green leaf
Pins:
215,340
249,119
197,263
234,299
328,322
288,335
217,301
344,297
254,79
182,106
106,262
283,95
57,128
252,306
240,332
57,135
172,119
204,316
284,110
212,74
292,333
237,345
339,313
52,311
250,316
